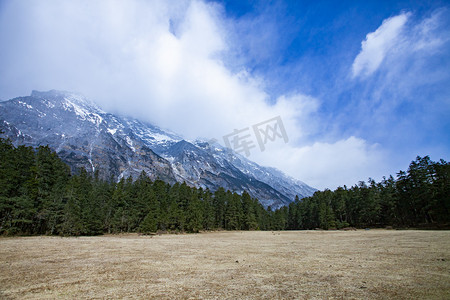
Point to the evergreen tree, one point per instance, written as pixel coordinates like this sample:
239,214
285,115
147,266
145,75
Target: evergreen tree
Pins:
194,214
248,211
151,207
219,207
72,220
209,212
233,211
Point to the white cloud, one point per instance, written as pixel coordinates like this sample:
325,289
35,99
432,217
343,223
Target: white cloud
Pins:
411,87
329,165
377,44
428,35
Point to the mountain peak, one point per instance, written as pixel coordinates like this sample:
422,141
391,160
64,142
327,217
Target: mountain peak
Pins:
50,94
61,96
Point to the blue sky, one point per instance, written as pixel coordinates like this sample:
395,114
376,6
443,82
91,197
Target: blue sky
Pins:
361,86
315,44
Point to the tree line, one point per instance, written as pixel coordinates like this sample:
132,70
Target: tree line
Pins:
39,195
419,197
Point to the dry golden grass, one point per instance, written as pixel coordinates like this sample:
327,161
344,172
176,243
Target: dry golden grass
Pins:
373,264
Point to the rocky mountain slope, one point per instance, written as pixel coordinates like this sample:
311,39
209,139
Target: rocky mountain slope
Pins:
85,136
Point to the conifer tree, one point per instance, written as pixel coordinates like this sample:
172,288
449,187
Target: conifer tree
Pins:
249,220
219,207
194,214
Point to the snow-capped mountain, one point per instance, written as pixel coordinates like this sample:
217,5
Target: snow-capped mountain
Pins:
85,136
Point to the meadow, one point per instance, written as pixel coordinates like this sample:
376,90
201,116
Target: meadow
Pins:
369,264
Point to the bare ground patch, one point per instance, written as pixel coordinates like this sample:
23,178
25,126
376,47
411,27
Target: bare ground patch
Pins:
375,264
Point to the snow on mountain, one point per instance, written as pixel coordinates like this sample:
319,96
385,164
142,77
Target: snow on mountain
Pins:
85,136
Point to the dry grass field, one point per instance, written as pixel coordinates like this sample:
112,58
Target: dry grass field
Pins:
372,264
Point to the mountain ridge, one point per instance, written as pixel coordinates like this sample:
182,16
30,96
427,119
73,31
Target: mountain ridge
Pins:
84,135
